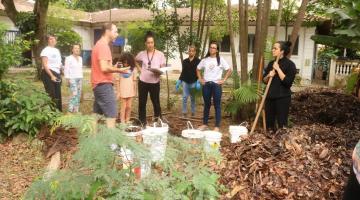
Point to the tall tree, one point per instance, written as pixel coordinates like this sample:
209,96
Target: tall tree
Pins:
243,33
264,28
40,12
191,21
259,13
199,19
278,21
232,47
297,24
178,31
205,11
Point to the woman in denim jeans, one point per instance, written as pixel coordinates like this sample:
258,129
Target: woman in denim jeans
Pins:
188,79
213,66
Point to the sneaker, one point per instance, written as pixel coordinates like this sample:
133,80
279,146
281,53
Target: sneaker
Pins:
192,114
203,127
184,115
217,129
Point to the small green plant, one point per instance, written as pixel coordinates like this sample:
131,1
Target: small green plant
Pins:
243,97
24,108
94,172
351,82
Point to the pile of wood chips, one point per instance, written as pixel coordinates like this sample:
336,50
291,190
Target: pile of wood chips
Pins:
311,160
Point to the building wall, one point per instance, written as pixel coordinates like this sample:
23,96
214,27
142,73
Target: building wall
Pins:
303,61
86,35
8,22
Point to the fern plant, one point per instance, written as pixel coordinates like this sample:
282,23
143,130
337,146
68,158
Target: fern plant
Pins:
247,94
94,172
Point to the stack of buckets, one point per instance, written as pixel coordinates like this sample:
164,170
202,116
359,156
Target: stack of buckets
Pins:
156,138
236,132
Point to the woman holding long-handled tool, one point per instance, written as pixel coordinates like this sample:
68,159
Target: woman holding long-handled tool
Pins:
283,71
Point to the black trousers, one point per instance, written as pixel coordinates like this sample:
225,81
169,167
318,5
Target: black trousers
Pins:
154,90
352,189
52,88
277,110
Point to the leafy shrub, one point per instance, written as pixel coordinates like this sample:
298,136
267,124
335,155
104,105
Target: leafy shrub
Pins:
10,51
24,108
351,82
94,172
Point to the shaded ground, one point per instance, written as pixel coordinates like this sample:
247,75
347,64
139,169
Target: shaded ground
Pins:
21,163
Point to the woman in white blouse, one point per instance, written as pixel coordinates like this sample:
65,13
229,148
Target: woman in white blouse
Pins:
74,74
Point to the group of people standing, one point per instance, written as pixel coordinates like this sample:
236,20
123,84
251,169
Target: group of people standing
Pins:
119,81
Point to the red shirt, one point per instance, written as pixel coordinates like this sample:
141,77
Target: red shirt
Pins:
101,51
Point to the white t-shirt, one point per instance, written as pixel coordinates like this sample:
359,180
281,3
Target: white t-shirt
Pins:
54,58
73,67
213,71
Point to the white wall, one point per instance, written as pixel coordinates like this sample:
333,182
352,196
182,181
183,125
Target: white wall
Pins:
86,35
303,60
8,22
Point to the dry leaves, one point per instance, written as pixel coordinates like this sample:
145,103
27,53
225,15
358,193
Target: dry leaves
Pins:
311,160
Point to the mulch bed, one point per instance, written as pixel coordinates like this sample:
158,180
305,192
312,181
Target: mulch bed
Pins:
311,160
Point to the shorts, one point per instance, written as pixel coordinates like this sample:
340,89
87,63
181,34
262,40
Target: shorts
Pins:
105,101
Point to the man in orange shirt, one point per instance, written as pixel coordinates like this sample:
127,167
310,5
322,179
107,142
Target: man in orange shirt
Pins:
101,75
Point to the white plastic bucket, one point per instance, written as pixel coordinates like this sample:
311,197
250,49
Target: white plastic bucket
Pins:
156,138
194,135
135,135
212,140
236,132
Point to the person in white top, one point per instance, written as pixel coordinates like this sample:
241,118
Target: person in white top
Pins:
51,67
213,66
73,72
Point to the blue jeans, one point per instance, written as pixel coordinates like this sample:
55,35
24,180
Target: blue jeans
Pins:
187,87
214,90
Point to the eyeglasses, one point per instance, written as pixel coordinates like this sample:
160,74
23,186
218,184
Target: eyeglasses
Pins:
213,47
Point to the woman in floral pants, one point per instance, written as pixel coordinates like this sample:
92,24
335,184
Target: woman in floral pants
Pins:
74,75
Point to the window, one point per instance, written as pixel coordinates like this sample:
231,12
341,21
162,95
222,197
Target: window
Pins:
251,43
296,47
225,44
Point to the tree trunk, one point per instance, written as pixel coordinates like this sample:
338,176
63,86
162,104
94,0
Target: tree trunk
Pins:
257,39
40,11
191,21
178,33
207,34
10,9
278,21
264,29
232,47
243,33
297,24
203,20
199,19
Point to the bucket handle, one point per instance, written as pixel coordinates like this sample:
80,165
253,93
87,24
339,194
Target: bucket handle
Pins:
245,123
138,120
161,122
188,123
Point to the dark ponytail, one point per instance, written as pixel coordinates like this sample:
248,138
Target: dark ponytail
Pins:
285,46
217,53
149,34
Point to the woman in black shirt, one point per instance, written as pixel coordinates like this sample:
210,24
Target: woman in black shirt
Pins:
188,78
278,99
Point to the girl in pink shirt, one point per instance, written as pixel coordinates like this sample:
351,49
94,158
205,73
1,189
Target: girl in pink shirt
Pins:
126,86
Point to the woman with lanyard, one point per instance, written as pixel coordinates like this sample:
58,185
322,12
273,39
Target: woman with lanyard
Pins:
149,82
278,99
213,66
